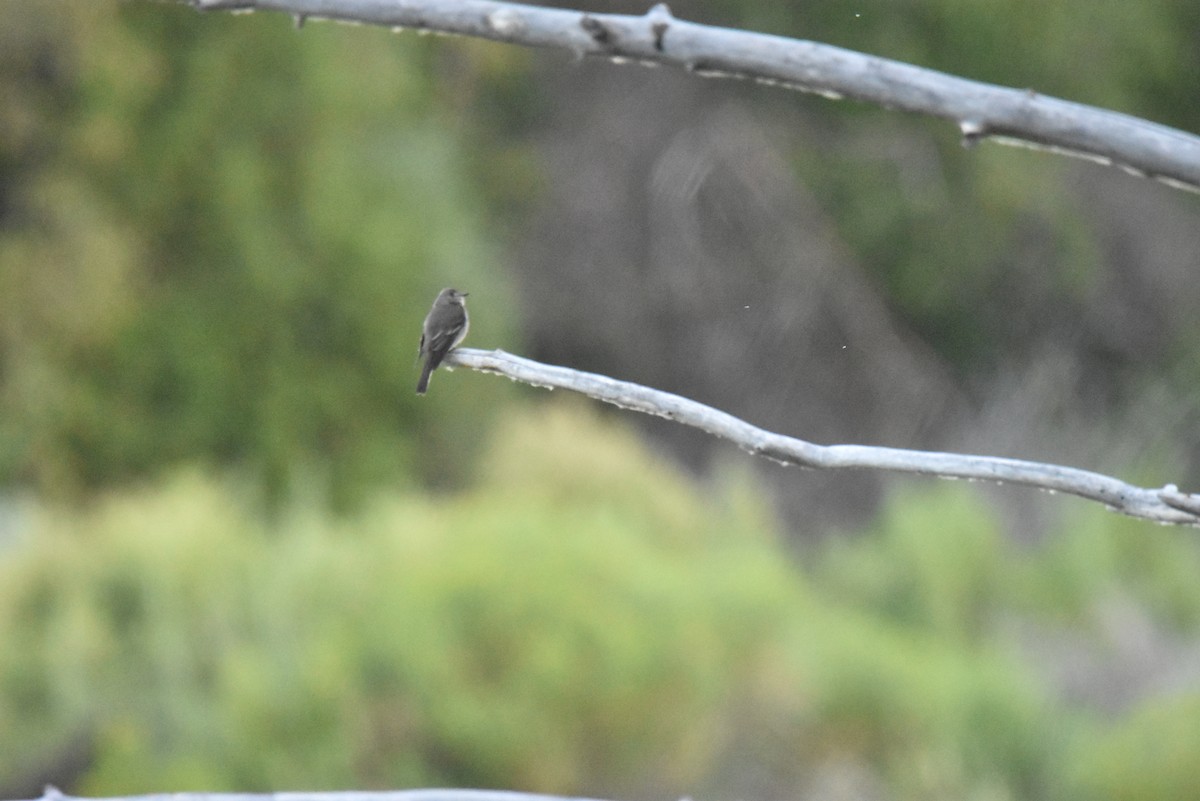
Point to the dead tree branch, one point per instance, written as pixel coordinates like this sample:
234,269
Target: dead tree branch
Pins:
1165,505
53,794
980,110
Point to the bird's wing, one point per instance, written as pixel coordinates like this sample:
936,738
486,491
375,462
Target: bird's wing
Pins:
443,340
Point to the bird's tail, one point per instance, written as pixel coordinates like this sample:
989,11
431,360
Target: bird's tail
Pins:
426,371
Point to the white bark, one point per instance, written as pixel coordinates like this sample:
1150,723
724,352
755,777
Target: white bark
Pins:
1165,505
53,794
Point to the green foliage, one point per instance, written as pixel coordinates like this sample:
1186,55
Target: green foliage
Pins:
1101,556
932,718
958,239
224,248
1152,756
986,253
584,620
910,667
935,563
216,240
932,678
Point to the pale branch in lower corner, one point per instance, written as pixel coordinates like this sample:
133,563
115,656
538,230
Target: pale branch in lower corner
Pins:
1165,505
53,794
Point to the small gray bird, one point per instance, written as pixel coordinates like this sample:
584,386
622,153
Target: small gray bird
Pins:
445,326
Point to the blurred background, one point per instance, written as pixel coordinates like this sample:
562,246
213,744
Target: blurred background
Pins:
238,553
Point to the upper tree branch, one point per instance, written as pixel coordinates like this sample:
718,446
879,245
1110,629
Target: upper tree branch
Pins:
1166,505
980,110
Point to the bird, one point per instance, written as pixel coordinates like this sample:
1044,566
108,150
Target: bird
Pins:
445,327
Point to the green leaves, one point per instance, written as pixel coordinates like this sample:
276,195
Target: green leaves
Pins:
583,619
223,251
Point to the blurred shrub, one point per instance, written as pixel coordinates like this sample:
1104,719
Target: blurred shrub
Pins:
934,563
1101,555
930,718
217,243
908,665
1154,755
990,254
584,620
945,675
510,637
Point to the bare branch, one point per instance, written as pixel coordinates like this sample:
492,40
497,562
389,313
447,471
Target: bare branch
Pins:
980,110
53,794
1166,505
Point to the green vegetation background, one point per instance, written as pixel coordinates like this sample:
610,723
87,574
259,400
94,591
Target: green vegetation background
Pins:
583,619
238,553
